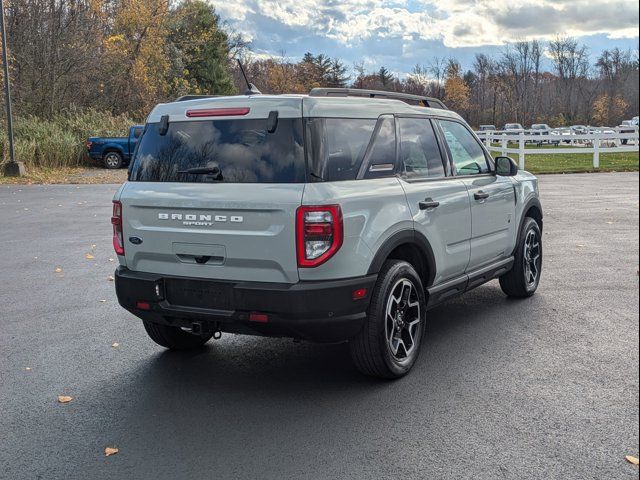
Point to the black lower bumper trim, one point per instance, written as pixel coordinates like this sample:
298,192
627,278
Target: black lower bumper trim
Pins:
318,311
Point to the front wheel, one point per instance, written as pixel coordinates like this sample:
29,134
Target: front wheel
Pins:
174,338
523,279
389,343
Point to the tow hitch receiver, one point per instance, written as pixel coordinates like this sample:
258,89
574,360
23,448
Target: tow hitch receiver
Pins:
206,328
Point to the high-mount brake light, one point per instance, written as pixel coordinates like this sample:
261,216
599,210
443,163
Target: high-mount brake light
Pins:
218,112
319,234
116,221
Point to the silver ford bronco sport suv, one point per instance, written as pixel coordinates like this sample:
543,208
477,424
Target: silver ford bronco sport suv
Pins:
342,215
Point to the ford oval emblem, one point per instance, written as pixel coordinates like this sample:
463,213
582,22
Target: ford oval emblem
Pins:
135,240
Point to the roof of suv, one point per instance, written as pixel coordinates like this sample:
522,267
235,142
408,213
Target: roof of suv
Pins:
289,106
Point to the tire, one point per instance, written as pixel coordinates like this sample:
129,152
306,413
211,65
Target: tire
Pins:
523,279
372,349
112,160
174,338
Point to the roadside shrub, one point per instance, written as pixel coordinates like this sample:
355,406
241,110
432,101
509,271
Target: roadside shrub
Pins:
60,141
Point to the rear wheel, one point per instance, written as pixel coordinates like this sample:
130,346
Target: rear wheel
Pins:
112,160
523,279
389,343
174,338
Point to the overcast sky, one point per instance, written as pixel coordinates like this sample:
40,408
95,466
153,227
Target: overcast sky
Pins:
400,33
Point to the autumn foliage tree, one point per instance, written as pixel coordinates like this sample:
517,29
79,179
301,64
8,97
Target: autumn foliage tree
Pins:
608,110
136,64
456,90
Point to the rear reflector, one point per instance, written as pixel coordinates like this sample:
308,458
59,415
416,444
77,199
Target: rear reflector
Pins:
359,294
258,317
217,112
143,305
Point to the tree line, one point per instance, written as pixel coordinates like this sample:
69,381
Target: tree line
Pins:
124,56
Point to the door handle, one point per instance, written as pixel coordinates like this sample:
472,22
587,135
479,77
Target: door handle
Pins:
428,203
480,195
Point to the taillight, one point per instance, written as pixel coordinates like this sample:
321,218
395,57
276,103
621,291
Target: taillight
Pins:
116,221
319,234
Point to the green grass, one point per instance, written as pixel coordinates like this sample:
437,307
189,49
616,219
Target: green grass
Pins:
578,162
59,141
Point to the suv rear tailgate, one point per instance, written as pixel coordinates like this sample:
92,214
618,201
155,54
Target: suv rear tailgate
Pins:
222,231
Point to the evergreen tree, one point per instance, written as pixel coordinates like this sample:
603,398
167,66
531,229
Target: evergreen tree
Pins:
204,50
385,77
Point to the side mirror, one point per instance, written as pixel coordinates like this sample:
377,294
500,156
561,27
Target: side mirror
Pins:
506,167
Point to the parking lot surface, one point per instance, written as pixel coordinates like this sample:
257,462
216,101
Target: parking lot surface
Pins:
540,388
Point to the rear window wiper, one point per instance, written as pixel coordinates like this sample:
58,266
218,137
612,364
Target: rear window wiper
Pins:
202,171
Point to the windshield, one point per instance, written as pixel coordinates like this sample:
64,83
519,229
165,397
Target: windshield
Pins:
231,151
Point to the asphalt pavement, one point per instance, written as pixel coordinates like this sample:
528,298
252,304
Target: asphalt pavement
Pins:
540,388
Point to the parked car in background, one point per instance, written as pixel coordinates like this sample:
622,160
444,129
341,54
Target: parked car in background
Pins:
628,126
114,152
561,134
487,128
606,141
543,130
540,129
513,129
579,129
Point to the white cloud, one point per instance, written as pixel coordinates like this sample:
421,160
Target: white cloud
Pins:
457,23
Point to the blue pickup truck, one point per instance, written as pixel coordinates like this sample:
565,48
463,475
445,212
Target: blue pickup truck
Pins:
114,152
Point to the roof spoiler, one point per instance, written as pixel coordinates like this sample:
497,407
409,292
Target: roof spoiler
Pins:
184,98
418,100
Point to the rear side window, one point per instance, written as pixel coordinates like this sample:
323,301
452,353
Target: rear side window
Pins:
336,147
238,151
467,154
419,152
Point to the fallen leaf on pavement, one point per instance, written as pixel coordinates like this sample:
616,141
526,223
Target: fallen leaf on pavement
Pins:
102,300
28,369
580,245
110,451
64,398
632,459
115,345
111,259
58,269
89,256
110,278
93,246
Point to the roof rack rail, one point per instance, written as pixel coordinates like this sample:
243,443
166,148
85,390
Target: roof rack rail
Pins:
357,92
184,98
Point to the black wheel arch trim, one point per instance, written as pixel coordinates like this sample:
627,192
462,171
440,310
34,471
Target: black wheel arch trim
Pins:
532,202
406,237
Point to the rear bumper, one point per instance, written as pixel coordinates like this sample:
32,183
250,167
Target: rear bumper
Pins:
320,311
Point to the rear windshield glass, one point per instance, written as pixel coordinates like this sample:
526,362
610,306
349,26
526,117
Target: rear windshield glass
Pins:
336,147
233,151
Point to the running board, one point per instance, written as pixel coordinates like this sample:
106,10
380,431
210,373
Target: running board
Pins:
468,281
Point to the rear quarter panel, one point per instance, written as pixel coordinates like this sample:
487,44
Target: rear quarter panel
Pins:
373,210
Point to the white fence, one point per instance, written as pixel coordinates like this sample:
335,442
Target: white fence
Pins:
594,143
